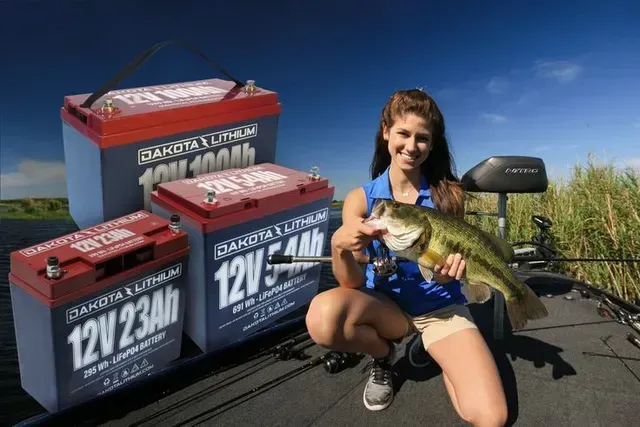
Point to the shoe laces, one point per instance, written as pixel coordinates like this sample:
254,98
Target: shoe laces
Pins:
380,372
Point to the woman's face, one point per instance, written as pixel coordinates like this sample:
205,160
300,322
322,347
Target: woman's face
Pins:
409,141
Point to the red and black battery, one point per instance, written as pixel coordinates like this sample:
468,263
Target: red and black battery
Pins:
99,308
121,147
235,220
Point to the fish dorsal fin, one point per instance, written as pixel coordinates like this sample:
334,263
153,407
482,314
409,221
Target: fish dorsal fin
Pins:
478,292
502,245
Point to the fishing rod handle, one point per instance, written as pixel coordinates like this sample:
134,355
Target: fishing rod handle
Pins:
633,340
289,259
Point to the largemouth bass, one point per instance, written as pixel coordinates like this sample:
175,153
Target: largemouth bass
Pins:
427,236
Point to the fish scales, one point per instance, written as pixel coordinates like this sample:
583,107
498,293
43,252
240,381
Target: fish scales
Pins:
479,252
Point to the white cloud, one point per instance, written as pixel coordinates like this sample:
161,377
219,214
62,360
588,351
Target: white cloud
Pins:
34,178
527,97
494,118
562,71
497,85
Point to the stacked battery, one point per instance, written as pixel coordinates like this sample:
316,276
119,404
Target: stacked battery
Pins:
236,219
179,204
117,152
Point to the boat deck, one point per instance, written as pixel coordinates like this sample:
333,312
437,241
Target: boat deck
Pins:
572,368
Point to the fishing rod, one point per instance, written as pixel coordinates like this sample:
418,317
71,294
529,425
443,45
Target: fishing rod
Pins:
608,309
386,265
379,261
526,258
332,361
383,265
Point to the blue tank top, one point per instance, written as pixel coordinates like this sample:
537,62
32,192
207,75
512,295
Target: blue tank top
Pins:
407,287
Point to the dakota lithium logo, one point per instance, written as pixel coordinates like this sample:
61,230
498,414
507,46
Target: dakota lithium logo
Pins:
199,143
121,294
267,234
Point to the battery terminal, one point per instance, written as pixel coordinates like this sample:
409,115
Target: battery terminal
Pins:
174,226
108,109
211,197
314,173
250,87
53,268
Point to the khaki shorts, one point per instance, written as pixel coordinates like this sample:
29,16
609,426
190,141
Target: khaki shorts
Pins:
437,324
441,323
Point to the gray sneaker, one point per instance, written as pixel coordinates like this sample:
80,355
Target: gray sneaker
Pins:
378,393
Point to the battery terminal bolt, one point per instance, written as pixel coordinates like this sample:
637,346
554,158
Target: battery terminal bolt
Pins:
250,87
53,268
314,173
108,107
211,197
174,226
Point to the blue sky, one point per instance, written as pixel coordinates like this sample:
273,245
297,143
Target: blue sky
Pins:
551,79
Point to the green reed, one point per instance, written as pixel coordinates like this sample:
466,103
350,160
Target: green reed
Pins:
595,214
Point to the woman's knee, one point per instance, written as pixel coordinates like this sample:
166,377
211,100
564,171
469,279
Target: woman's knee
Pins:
325,317
494,414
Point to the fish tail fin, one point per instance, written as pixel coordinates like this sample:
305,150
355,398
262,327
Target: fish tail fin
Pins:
526,307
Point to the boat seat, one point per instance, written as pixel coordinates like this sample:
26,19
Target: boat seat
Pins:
507,174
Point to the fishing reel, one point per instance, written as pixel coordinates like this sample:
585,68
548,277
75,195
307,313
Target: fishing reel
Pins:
336,361
383,264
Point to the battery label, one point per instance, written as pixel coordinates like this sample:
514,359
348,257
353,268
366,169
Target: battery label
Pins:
111,338
200,155
250,290
88,239
170,95
248,181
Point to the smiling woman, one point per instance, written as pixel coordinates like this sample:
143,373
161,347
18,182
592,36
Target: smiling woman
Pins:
367,313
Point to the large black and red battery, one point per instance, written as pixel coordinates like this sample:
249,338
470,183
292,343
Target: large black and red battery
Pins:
235,220
99,308
119,148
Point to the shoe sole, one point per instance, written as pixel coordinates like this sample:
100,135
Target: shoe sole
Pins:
376,407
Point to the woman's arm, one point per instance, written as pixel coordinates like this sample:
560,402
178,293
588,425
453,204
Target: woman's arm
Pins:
349,241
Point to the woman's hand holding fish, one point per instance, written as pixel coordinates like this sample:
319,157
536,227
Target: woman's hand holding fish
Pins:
453,269
354,236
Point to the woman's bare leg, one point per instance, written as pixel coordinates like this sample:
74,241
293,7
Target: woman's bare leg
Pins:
354,321
350,320
471,378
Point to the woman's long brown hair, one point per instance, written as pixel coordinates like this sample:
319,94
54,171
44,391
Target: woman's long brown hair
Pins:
446,191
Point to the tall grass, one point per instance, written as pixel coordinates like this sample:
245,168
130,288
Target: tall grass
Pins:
595,214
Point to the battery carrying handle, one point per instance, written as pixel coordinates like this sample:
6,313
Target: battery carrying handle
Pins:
137,61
